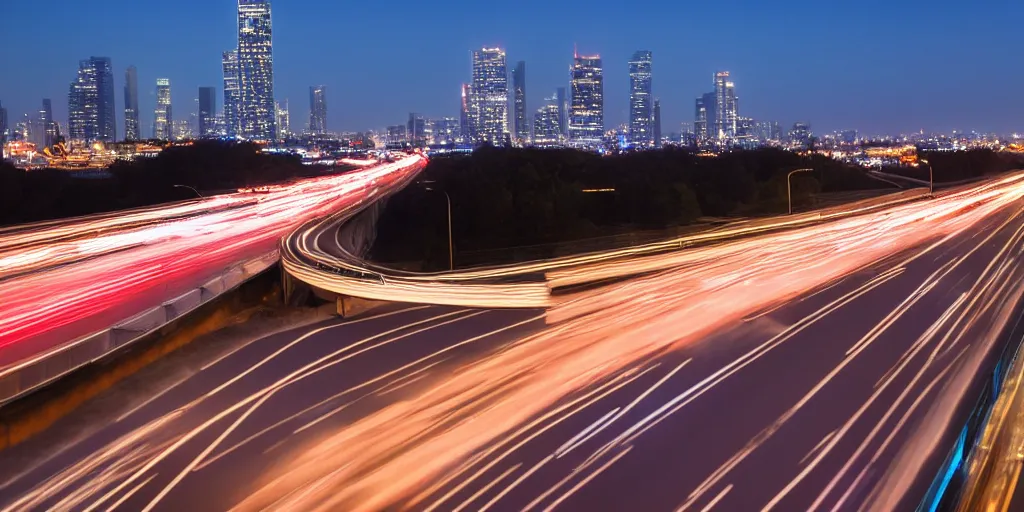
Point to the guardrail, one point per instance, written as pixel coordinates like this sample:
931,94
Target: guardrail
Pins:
524,285
41,369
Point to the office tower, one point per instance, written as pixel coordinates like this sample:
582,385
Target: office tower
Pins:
520,128
207,111
465,128
318,110
49,132
547,130
3,125
641,134
255,70
91,102
181,129
416,129
725,107
445,130
163,121
800,134
488,107
656,123
131,104
283,119
586,118
231,93
563,112
396,134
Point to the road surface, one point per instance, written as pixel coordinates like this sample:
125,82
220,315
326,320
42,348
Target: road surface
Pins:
799,405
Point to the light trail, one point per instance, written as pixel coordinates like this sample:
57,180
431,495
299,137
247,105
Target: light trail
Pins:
103,270
381,460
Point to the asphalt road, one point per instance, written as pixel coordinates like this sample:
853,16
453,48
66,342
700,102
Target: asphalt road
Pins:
797,407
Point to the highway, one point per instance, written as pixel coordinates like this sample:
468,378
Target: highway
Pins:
782,372
63,280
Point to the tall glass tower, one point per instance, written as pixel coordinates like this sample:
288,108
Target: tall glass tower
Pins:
131,104
522,130
489,96
318,110
256,110
207,111
586,116
91,102
641,133
163,122
725,107
230,63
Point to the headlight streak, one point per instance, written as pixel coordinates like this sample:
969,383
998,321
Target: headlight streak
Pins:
96,271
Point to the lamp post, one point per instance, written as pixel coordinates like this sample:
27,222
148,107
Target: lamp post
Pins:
190,188
789,187
451,251
931,176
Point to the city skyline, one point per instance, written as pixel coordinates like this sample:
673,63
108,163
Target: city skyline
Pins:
857,90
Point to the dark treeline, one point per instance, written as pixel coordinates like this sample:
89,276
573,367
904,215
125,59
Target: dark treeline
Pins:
953,166
503,198
209,166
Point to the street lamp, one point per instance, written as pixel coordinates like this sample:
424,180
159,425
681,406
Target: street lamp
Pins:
188,187
931,176
451,251
789,187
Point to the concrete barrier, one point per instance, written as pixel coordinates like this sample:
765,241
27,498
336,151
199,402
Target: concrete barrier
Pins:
40,370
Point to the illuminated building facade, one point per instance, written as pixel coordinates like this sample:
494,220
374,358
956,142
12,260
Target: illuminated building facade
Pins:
163,121
520,127
91,102
416,130
547,131
396,134
231,92
181,129
656,123
726,109
3,125
131,104
586,117
283,119
48,131
318,110
445,130
488,106
465,128
207,111
563,111
641,133
255,71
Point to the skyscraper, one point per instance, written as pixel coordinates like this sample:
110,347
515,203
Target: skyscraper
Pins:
318,110
3,125
725,107
521,129
416,129
163,121
488,109
91,102
465,128
207,111
131,104
231,92
283,119
546,129
586,119
255,70
48,131
563,112
445,130
641,134
656,123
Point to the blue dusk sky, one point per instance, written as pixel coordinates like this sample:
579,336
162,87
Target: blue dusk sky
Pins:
876,66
